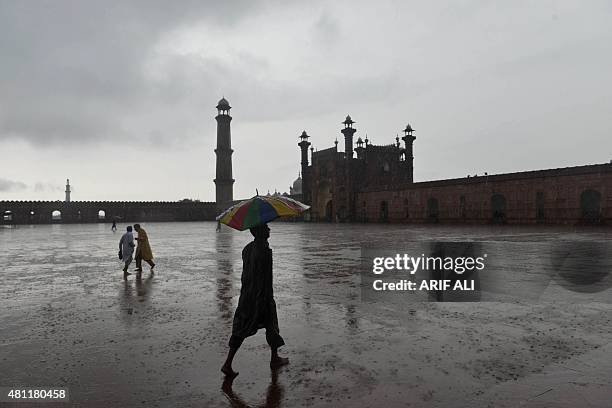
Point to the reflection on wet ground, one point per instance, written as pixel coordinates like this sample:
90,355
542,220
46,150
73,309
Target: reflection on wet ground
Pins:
69,319
274,392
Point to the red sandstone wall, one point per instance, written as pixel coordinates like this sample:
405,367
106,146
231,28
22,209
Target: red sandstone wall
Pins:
561,198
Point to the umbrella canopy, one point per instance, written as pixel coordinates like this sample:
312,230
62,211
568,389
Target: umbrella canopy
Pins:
260,210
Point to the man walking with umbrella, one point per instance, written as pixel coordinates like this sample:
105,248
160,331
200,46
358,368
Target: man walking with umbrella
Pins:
256,307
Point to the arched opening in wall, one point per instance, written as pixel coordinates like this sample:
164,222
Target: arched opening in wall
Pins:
322,195
433,210
342,214
7,216
498,208
101,215
540,207
32,215
384,211
364,214
590,206
56,215
79,215
329,211
406,208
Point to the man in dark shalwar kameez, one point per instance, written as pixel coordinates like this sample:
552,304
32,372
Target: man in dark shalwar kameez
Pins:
256,307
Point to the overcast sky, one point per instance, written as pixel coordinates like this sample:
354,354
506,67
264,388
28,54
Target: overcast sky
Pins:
120,96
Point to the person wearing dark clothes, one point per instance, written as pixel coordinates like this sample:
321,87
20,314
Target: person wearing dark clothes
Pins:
256,307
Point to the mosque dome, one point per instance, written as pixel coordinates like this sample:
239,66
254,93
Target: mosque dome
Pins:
297,186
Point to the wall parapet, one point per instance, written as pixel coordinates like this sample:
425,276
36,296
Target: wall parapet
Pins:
46,212
491,178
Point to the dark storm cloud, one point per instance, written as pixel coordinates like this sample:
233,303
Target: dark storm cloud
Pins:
81,72
264,98
73,70
11,185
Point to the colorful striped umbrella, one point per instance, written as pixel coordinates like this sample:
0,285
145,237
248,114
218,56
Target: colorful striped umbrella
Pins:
260,210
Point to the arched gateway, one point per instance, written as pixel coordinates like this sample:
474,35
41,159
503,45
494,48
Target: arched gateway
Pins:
590,206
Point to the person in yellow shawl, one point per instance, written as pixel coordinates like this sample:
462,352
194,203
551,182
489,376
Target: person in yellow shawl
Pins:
143,250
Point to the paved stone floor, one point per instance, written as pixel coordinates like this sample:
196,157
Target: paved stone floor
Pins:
69,319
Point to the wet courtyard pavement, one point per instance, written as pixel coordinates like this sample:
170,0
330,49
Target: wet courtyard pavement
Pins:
68,319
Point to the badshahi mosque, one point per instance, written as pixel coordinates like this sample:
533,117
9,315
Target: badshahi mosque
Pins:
366,183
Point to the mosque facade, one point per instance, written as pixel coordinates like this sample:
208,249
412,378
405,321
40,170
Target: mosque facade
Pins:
375,183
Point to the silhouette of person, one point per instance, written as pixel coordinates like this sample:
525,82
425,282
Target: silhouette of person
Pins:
143,250
126,249
256,307
114,227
